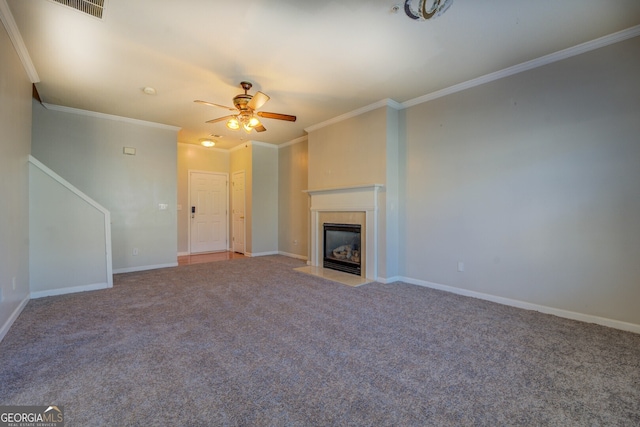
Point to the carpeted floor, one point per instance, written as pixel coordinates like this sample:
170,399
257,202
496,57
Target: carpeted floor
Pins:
251,342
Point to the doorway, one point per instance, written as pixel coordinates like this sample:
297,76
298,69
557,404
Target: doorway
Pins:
208,218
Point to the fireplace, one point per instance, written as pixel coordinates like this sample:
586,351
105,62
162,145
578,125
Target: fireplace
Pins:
346,205
342,247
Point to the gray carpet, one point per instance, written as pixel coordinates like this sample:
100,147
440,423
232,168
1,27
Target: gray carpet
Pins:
251,342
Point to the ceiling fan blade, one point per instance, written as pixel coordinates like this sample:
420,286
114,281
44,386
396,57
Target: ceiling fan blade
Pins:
260,128
276,116
258,100
219,119
211,104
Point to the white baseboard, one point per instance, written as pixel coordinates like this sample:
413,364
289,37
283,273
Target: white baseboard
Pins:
616,324
249,254
69,290
302,257
13,317
144,267
389,279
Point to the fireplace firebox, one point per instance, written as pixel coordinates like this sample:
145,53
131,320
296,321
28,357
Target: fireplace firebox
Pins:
342,248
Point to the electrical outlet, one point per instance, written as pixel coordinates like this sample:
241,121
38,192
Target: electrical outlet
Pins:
295,242
460,266
135,251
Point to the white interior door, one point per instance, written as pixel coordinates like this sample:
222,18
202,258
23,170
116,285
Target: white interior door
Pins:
238,210
208,212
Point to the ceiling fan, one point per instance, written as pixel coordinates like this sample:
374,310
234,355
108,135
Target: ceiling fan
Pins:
245,115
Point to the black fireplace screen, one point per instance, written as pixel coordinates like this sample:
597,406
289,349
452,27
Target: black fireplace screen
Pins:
342,250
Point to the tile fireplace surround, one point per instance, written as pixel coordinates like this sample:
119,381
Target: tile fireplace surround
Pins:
347,205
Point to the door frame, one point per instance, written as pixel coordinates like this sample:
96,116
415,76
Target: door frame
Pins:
226,176
244,234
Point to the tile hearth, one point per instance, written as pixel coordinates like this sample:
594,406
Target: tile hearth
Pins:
334,275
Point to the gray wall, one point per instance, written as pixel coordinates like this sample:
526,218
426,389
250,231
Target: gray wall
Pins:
392,197
67,238
264,204
293,204
350,152
87,151
532,181
15,145
259,161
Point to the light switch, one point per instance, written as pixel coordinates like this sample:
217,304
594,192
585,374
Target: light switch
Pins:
163,206
129,150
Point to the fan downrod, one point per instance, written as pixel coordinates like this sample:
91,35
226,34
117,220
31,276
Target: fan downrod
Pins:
246,86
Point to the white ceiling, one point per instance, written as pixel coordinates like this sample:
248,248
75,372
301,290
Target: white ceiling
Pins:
316,59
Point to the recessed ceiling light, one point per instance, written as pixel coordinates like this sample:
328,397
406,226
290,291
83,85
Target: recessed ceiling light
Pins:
149,90
207,143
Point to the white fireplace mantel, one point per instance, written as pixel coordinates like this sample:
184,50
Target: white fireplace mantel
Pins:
360,198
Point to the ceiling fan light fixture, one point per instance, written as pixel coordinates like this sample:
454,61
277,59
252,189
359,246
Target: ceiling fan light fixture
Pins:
233,124
246,114
253,121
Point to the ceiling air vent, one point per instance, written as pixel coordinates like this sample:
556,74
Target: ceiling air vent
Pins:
94,8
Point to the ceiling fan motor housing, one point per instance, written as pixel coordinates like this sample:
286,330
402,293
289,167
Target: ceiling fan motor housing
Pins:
241,101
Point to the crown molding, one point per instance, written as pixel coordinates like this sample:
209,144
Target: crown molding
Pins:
294,141
248,144
241,146
382,103
263,144
201,147
97,115
506,72
18,43
529,65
